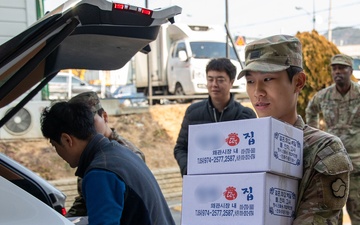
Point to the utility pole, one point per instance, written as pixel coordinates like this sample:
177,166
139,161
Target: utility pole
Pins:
307,12
148,69
227,25
314,17
329,24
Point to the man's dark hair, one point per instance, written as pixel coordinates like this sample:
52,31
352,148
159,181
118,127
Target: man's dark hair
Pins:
222,65
75,119
100,112
292,71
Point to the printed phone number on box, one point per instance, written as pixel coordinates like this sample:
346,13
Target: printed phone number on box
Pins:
223,213
224,159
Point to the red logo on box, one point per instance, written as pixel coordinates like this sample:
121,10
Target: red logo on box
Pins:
230,193
233,139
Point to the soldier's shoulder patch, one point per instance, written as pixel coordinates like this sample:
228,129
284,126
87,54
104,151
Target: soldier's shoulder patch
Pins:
339,188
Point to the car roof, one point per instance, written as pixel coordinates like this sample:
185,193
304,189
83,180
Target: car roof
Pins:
79,34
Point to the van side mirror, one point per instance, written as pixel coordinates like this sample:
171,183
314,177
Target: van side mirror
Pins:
183,56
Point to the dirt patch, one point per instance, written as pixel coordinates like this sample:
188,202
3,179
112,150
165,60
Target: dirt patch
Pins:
155,133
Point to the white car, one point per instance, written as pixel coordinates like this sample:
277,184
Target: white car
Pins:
59,86
18,207
80,34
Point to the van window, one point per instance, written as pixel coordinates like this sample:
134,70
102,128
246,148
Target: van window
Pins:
356,68
356,65
179,47
204,50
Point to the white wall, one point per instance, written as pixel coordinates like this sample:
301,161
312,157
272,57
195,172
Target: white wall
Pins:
351,50
15,17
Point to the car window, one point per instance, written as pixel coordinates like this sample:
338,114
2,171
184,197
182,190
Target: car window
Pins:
76,81
22,182
18,207
59,79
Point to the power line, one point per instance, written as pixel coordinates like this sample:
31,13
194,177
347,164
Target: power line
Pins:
292,17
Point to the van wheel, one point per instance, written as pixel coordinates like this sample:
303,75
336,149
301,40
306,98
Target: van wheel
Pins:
180,91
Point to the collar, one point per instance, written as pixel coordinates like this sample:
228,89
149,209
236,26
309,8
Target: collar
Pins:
300,123
231,102
89,152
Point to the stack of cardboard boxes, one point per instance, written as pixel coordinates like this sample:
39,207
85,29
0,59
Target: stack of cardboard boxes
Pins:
242,172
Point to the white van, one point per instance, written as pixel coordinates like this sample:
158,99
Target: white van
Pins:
356,68
187,62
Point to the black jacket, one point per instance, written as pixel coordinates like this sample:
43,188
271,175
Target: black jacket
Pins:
203,112
144,202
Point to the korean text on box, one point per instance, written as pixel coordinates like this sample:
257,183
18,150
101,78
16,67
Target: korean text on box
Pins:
238,199
252,145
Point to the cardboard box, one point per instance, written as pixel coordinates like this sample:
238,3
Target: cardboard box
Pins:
252,145
238,199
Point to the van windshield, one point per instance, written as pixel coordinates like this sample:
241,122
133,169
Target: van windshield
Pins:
356,65
206,50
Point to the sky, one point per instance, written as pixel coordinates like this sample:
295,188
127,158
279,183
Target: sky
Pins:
259,18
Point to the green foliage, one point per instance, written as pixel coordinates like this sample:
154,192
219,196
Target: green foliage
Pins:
317,53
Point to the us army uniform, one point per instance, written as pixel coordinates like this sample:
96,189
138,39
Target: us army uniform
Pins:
342,118
324,187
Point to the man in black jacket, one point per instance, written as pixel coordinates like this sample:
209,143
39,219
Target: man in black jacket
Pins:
220,106
117,186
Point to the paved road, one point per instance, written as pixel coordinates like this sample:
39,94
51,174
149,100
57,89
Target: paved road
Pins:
175,207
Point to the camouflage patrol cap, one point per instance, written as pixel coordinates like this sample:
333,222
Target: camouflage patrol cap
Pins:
272,54
342,59
91,98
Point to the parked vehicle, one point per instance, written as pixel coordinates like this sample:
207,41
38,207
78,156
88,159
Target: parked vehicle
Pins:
178,59
19,207
356,68
70,37
59,86
128,96
32,183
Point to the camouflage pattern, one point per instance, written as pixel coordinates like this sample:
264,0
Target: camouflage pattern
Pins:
79,207
342,118
115,136
352,205
342,59
324,188
272,54
91,98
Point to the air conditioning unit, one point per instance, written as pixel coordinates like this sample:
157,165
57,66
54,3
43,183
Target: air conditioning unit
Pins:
25,123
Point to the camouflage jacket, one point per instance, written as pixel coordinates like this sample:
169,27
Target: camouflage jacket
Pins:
115,136
324,187
341,115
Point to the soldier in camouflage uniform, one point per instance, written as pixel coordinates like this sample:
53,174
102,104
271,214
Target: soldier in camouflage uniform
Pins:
340,106
100,119
275,77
